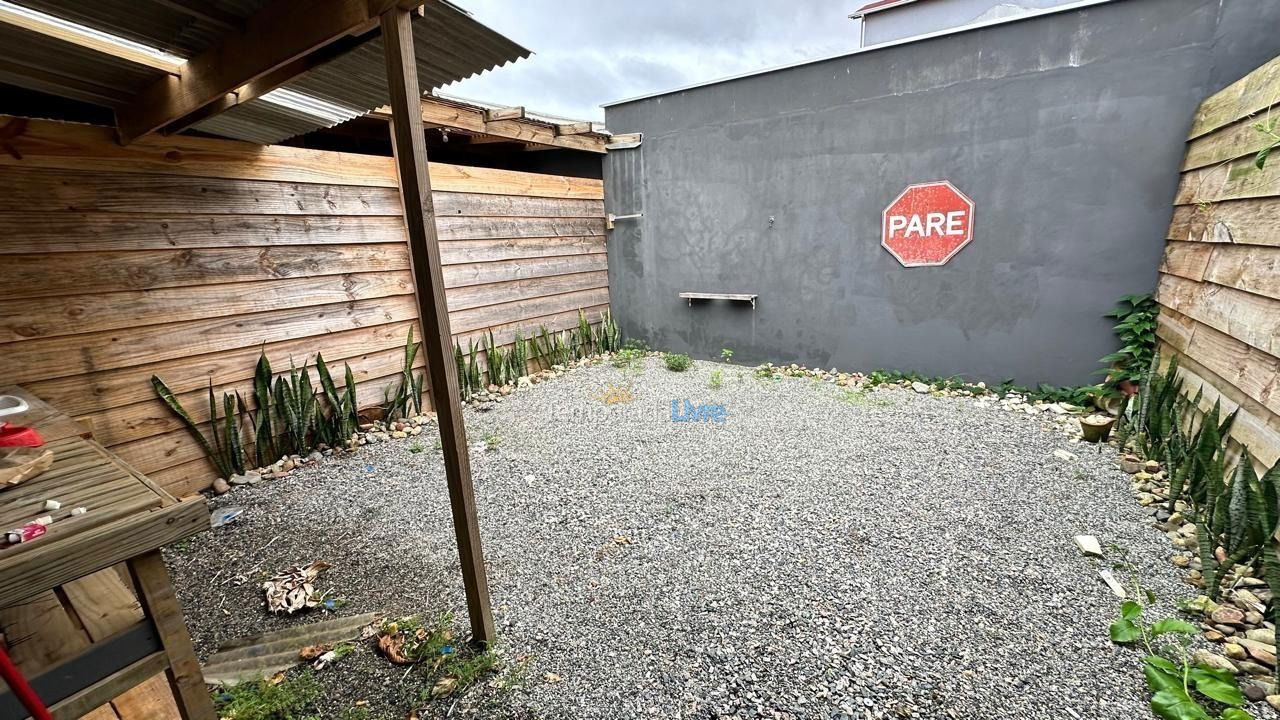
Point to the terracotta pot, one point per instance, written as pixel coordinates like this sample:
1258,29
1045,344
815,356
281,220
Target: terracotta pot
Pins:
1096,432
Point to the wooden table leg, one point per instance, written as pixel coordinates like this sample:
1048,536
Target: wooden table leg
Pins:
155,594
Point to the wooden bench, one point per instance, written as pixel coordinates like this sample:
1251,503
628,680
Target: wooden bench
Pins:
69,620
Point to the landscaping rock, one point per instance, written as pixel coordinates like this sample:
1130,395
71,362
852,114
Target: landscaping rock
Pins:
1212,660
1226,615
221,486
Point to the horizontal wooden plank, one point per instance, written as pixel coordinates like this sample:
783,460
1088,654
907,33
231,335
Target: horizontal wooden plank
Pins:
449,204
1248,369
458,252
48,358
475,296
1237,179
25,190
1244,222
472,228
50,232
1175,329
81,395
1251,94
1255,427
67,146
1237,140
36,317
151,417
31,233
40,275
504,270
72,146
1187,260
1249,268
466,321
1251,319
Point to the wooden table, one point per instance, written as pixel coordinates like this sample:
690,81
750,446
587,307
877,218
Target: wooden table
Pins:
128,519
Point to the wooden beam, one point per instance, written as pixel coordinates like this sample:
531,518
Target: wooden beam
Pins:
203,10
280,33
577,128
70,33
443,114
424,249
511,113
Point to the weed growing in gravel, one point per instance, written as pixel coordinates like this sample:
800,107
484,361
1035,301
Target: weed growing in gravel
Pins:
416,448
445,667
629,359
491,441
292,698
1181,688
677,362
726,354
853,397
717,380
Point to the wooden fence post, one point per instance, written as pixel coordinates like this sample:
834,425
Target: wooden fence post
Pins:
424,252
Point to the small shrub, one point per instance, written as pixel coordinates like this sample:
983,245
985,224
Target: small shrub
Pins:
629,358
677,362
717,380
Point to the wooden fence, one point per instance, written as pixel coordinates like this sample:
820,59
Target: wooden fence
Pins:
186,257
1220,280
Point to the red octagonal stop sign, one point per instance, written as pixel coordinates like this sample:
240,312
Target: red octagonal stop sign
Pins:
927,224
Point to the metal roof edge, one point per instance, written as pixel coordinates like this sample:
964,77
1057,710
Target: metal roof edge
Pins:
865,10
1079,5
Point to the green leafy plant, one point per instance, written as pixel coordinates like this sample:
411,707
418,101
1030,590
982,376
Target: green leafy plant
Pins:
726,354
416,447
498,360
1136,330
470,380
553,348
341,422
677,361
293,698
223,446
405,396
1270,129
717,380
492,441
1180,689
446,666
628,358
610,336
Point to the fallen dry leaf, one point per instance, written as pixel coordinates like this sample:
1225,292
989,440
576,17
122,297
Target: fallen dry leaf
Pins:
311,652
393,647
551,678
276,679
444,686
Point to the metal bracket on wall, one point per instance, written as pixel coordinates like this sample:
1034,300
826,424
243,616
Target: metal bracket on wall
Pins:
610,218
735,297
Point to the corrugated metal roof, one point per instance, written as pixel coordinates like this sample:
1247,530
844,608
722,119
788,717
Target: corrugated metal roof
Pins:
151,22
450,45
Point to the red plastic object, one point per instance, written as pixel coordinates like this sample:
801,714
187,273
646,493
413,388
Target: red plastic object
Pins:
18,684
14,436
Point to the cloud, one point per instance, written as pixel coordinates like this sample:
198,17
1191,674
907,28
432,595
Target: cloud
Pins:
594,53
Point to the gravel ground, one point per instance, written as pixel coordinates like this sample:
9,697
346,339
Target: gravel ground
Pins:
888,555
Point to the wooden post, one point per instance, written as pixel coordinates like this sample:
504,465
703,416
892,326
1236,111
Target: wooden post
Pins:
428,279
155,595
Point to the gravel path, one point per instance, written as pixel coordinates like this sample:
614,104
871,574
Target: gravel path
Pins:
814,556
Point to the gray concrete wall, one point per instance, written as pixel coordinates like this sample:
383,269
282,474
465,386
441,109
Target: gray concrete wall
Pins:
1067,130
922,18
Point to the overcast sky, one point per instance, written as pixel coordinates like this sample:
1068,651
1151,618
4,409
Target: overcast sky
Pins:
589,53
